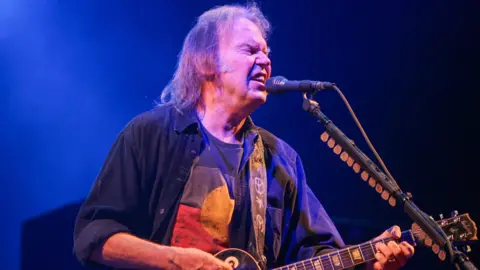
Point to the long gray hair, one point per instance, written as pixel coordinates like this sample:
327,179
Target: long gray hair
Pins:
198,60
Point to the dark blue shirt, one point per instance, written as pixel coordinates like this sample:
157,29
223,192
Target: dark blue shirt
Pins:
139,187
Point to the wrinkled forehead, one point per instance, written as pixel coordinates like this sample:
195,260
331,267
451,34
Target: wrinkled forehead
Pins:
241,30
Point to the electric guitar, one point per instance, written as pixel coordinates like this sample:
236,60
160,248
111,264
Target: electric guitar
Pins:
459,229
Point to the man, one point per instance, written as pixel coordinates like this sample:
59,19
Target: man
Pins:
194,175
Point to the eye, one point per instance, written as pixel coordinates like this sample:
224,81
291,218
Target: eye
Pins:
250,50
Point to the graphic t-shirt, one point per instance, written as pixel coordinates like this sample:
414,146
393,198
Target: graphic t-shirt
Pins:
207,204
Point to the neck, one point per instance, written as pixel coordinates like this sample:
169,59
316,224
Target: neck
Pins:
222,123
222,114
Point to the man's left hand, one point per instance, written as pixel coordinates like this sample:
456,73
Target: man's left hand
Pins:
391,255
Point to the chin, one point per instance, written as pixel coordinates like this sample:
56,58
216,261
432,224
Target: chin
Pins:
259,96
255,97
258,100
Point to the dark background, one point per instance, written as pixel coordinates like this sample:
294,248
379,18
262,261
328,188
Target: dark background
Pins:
73,73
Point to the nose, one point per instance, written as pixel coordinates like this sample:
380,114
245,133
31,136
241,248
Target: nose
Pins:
263,60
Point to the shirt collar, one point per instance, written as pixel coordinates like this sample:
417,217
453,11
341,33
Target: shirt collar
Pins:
187,121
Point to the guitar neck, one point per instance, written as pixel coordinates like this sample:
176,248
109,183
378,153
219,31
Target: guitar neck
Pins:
347,257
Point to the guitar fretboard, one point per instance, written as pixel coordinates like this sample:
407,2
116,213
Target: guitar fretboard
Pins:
347,257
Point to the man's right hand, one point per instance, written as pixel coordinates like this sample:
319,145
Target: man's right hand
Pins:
124,250
192,258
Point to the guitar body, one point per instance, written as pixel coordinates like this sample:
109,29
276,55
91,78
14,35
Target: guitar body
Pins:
238,258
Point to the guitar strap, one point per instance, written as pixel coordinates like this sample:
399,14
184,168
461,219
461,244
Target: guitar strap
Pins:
258,197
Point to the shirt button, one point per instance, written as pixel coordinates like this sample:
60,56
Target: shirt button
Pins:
162,211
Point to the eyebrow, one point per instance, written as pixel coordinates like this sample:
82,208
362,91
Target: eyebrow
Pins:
253,43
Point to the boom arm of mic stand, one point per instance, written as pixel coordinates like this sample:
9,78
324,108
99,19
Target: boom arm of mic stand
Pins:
429,226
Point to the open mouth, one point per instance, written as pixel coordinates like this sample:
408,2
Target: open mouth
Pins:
261,78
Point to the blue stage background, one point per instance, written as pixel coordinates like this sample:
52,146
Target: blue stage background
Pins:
73,73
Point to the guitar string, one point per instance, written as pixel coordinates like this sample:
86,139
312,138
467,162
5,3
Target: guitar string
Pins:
326,265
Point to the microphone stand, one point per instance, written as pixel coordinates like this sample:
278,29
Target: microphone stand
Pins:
429,226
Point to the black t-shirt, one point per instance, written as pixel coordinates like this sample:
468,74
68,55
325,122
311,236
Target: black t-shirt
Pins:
209,212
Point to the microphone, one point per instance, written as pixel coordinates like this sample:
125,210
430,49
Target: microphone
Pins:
280,84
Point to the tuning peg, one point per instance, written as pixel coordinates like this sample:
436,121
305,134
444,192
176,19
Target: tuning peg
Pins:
454,213
441,216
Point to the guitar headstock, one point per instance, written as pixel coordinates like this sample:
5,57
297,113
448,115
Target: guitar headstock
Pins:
459,229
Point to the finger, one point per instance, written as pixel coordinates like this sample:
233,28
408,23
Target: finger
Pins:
397,255
407,249
381,260
226,267
395,232
378,266
392,231
223,265
384,250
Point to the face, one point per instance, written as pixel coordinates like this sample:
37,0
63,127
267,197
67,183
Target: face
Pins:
245,65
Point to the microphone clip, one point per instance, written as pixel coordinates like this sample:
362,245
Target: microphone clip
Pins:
309,104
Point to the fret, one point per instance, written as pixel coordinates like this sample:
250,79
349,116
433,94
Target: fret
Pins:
351,257
346,258
356,255
331,263
303,265
340,259
310,264
361,253
373,249
365,252
317,264
326,262
336,261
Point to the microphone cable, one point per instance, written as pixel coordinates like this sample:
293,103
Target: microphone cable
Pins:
365,136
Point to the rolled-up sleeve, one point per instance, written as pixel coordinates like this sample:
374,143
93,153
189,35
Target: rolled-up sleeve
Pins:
113,202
